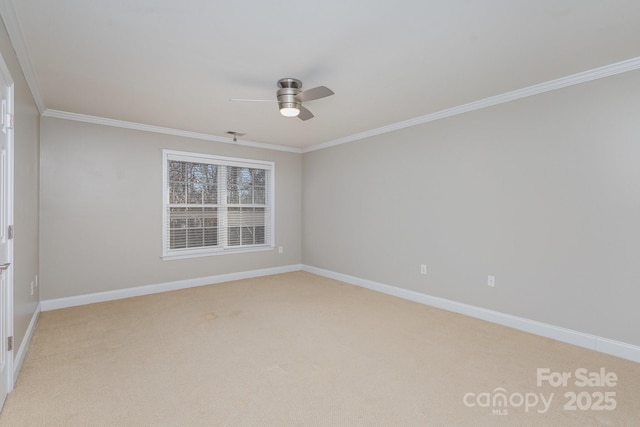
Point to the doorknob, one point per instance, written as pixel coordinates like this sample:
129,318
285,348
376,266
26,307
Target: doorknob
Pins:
3,267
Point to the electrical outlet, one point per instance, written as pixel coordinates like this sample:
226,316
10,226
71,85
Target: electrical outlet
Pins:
423,268
491,281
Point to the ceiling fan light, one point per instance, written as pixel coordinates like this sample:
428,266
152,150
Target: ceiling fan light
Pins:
289,111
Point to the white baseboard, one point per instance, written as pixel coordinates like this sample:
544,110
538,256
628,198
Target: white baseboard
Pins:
54,304
22,351
592,342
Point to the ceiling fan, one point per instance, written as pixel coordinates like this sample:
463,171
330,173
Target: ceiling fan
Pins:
290,97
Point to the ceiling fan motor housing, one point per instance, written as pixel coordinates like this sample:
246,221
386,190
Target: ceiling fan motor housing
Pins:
286,95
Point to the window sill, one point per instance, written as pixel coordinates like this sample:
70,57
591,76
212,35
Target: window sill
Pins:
200,254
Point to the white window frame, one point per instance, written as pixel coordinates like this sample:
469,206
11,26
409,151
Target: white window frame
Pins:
223,248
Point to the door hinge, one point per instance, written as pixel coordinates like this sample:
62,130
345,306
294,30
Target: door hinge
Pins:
10,343
9,121
10,232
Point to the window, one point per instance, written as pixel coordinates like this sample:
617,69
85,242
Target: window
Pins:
214,205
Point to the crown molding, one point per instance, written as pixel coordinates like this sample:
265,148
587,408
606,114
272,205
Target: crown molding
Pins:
9,16
574,79
11,22
167,131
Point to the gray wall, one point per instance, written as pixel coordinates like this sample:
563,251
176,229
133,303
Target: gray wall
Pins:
543,193
26,154
101,210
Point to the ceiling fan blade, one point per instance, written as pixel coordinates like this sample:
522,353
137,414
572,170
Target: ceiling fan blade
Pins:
252,100
305,114
314,93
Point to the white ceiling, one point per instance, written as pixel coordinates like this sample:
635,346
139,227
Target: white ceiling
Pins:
176,63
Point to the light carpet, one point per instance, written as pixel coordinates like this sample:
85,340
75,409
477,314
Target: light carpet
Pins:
298,349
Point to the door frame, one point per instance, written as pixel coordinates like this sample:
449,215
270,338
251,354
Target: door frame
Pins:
8,310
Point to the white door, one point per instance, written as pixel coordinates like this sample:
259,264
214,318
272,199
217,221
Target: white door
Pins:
6,242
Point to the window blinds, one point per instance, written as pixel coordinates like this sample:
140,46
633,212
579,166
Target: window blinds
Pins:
216,204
